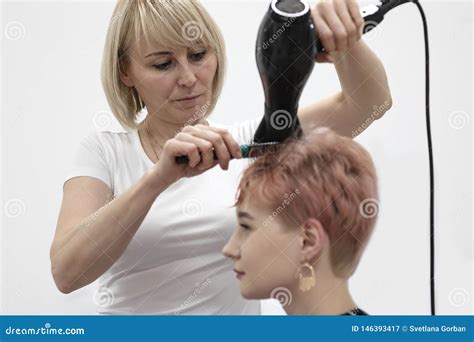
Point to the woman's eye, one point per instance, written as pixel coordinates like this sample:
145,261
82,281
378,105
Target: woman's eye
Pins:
162,66
198,56
245,226
195,57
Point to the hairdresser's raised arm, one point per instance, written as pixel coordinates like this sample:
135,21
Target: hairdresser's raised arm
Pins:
365,93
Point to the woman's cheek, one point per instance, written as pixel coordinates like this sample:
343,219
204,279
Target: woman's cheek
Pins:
260,248
209,70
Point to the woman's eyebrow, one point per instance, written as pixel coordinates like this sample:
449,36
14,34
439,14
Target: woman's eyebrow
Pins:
159,53
244,214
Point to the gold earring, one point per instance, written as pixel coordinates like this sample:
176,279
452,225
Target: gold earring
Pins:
306,282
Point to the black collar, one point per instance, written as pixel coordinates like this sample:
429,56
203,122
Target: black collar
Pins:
355,312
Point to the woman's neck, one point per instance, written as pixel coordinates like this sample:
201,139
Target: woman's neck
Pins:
328,297
155,132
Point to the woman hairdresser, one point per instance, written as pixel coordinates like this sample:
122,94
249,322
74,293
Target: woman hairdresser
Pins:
149,230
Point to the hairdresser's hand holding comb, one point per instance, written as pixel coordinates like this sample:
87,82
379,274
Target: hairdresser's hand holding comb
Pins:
199,143
339,26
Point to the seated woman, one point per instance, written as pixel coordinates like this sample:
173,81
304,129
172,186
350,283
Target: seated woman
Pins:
305,215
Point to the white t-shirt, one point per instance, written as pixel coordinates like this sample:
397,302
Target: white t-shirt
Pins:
174,263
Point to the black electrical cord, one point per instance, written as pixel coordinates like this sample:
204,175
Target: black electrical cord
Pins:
430,157
372,18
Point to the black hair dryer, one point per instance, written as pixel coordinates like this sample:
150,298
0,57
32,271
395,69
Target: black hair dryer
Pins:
285,51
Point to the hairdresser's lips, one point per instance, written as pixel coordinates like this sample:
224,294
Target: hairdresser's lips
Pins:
189,101
239,274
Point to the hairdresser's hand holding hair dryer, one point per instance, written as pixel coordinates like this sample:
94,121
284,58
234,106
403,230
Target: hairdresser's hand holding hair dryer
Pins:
151,230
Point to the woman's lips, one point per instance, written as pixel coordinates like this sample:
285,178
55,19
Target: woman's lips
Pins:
189,98
189,102
239,274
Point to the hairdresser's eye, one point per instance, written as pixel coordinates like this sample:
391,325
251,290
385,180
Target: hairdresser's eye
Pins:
198,56
162,66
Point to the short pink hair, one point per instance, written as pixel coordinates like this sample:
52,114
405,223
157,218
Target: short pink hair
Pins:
324,176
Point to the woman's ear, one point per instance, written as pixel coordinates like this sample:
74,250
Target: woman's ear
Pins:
124,75
313,239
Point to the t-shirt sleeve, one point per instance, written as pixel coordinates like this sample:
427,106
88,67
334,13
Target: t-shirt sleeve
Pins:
245,131
89,159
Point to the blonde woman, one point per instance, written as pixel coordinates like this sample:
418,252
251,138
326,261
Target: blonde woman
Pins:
305,216
151,231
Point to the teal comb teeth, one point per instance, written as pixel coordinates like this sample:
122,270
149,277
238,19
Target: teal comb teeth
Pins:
247,149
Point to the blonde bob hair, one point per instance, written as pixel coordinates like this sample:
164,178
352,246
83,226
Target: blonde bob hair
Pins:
172,24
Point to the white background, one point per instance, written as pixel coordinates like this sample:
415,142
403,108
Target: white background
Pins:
51,95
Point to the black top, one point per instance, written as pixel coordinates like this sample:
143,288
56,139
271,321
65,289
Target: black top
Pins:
355,312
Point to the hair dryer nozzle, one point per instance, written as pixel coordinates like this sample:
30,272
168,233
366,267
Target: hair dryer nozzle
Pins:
290,8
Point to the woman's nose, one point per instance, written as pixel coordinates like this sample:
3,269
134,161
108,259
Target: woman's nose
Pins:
230,250
186,77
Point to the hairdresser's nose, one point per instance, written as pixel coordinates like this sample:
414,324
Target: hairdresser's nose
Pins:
231,248
187,78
